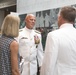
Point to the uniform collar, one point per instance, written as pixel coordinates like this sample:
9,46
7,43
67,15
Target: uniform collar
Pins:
29,30
66,25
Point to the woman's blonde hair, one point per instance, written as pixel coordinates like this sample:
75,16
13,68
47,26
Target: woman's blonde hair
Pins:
10,26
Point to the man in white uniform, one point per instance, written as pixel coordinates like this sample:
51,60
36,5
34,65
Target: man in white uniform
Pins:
30,47
60,49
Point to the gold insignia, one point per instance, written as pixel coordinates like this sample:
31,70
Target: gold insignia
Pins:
37,40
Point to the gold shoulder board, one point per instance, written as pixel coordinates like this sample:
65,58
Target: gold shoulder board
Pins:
37,32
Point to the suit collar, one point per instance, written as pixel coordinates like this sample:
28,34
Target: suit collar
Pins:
66,25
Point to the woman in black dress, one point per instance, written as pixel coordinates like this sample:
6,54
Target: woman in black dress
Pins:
9,46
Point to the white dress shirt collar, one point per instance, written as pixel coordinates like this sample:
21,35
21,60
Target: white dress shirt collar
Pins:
66,25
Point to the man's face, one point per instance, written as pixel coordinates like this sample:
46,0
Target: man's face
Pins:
30,21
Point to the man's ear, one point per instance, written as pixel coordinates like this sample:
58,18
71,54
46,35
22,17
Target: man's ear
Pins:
60,17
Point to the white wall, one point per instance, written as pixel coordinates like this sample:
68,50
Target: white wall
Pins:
1,17
29,6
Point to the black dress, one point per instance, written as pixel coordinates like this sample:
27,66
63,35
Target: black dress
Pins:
5,57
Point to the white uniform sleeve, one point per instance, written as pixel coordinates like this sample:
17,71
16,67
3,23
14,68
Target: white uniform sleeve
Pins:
50,56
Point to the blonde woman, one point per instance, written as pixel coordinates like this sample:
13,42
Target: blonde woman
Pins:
9,46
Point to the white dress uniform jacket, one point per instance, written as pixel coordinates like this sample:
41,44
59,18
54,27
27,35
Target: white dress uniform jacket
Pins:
60,52
29,51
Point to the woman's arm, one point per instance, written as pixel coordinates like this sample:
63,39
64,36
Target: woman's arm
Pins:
14,58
